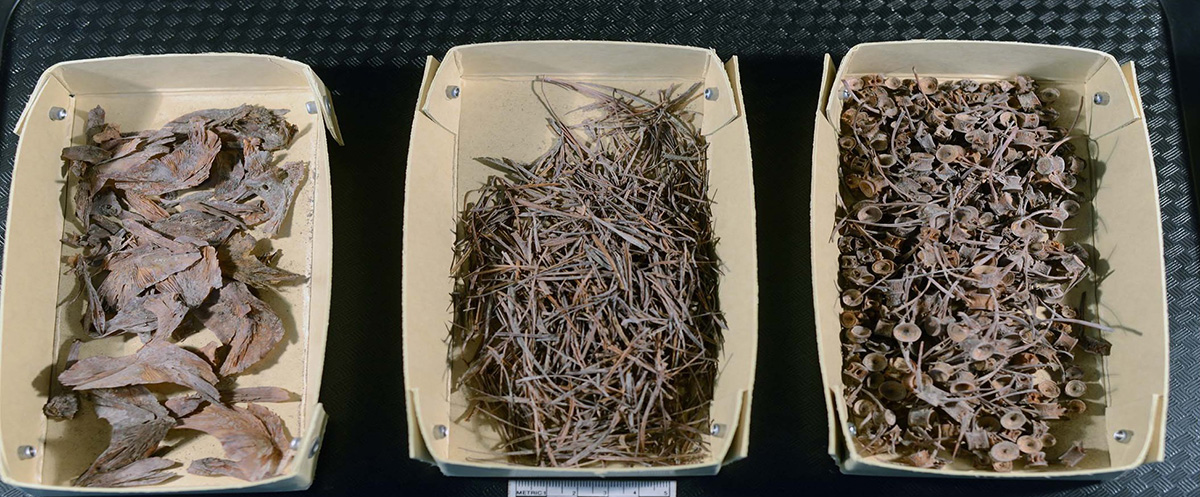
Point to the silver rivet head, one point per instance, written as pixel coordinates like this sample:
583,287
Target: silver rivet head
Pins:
316,447
717,430
310,106
440,432
295,445
58,113
852,429
26,452
710,94
452,92
1123,436
845,94
1100,98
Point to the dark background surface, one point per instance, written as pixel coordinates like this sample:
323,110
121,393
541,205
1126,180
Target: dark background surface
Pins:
371,54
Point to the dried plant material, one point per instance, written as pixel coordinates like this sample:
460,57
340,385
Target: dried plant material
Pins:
65,403
244,122
185,405
586,311
164,216
159,361
139,424
244,261
246,324
255,440
149,471
956,269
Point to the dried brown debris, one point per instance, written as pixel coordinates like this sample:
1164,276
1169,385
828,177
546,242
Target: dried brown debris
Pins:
957,267
164,218
587,315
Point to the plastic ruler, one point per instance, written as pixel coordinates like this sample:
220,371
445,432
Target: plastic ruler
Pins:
590,488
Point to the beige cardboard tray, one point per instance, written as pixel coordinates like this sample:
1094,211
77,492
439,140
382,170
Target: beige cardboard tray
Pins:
496,114
40,317
1125,231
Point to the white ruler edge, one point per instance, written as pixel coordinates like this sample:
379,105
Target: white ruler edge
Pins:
591,488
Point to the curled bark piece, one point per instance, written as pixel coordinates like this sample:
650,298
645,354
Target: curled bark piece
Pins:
187,404
246,324
156,362
184,167
245,121
139,424
195,227
149,471
243,261
132,271
195,283
145,206
255,440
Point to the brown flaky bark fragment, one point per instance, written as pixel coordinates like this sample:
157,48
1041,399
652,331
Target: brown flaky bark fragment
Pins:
168,311
139,424
195,283
149,471
184,167
95,320
255,440
133,318
242,260
147,236
65,404
145,206
195,227
90,154
246,324
132,271
187,404
156,362
276,186
245,121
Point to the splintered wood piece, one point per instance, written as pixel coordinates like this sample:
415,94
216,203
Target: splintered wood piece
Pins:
246,324
139,424
242,261
184,167
256,442
158,361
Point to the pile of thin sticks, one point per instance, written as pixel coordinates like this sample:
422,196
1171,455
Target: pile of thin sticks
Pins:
587,319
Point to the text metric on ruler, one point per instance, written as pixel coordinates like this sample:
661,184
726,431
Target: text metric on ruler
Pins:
590,488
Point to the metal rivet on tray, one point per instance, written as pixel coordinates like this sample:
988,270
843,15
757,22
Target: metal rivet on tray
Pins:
316,447
452,91
26,452
853,429
1123,436
311,107
845,94
58,113
717,430
1101,98
295,443
710,94
440,432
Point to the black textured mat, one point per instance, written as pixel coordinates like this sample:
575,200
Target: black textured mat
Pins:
371,53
